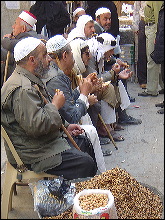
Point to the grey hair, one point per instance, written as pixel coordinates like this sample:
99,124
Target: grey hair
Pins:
28,27
59,52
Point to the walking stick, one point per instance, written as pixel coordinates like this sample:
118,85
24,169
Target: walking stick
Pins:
109,134
6,66
62,126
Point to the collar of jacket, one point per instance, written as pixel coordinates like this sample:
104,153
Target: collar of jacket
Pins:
29,75
102,29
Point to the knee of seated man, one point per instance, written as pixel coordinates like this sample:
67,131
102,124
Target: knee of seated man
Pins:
89,164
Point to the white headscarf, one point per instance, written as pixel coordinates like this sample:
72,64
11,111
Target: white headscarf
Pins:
78,31
98,49
76,46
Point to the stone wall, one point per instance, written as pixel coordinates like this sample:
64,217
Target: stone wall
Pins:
8,16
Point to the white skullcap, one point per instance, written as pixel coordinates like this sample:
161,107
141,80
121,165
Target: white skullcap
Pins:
28,17
24,47
77,11
56,43
102,11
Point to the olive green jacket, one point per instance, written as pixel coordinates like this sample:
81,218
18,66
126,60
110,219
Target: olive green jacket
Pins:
32,125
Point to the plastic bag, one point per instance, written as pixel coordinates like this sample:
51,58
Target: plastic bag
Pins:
106,212
52,197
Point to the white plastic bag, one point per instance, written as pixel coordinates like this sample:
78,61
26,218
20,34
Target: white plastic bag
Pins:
106,212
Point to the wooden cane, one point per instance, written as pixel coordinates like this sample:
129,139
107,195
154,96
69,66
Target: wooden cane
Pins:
109,134
62,126
6,66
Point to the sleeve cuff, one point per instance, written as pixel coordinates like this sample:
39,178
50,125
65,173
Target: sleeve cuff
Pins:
85,99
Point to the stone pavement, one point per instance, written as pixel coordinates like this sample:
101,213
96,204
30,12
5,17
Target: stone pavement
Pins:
141,153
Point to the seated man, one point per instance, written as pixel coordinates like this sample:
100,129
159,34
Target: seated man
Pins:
32,121
76,104
105,93
102,48
84,28
103,25
22,28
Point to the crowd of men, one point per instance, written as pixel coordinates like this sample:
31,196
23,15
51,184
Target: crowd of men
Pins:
71,79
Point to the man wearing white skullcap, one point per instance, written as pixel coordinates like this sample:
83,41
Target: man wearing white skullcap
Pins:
103,20
77,13
22,28
84,28
77,104
31,118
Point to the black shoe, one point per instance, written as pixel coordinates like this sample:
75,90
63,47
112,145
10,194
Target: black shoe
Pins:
161,91
145,94
160,105
130,120
131,99
104,140
161,111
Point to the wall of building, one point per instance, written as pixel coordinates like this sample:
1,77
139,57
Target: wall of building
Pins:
8,16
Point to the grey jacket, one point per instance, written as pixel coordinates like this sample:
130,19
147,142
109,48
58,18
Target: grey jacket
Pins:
32,125
74,108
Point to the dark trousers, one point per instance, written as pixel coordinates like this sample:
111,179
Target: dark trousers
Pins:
142,57
75,164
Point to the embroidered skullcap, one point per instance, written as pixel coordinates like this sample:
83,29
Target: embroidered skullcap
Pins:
56,43
77,11
101,11
28,17
24,47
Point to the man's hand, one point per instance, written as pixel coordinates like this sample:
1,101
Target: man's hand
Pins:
122,64
93,77
85,86
125,74
92,99
58,99
8,36
116,68
74,129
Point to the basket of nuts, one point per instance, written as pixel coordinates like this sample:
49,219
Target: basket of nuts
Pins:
94,204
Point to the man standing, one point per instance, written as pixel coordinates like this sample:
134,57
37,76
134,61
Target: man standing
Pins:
151,12
33,124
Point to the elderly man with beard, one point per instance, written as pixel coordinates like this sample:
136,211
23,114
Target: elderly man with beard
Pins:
33,124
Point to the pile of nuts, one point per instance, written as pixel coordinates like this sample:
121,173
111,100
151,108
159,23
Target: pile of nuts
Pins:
132,200
93,201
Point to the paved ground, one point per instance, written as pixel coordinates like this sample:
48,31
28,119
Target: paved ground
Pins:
141,153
